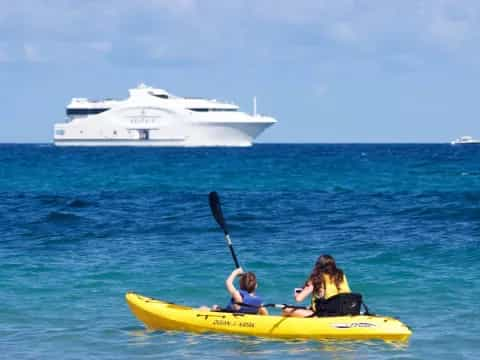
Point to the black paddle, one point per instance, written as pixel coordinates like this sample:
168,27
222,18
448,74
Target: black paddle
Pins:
214,201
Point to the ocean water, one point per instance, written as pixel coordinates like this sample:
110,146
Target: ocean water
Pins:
80,227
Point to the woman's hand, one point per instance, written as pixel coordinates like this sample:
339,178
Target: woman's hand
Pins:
307,290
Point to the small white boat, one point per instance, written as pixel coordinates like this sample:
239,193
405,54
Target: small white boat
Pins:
465,140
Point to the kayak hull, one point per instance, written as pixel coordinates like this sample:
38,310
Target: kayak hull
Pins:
160,315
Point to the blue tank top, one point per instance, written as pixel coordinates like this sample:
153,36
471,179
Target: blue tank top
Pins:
248,299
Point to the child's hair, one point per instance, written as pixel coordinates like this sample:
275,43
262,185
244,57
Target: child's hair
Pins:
248,282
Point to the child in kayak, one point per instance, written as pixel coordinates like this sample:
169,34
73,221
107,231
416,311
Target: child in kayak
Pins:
325,281
246,295
245,299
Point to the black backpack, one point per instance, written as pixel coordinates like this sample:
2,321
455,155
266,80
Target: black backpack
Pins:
340,305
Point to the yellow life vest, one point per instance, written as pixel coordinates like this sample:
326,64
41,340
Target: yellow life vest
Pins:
330,290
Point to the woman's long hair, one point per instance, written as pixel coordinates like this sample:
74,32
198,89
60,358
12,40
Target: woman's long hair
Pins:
325,265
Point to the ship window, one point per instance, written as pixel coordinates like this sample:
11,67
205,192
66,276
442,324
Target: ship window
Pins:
198,109
210,109
60,132
161,96
115,132
86,111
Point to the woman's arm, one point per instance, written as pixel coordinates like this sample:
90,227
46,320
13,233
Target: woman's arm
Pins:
231,288
307,290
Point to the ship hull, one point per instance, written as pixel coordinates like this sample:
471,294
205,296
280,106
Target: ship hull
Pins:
135,124
194,135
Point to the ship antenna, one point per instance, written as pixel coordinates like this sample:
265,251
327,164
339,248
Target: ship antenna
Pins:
254,106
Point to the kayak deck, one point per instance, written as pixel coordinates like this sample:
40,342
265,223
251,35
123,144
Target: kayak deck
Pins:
160,315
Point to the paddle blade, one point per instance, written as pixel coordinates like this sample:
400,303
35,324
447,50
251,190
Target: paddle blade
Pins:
214,201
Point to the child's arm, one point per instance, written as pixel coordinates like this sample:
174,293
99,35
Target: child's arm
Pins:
231,288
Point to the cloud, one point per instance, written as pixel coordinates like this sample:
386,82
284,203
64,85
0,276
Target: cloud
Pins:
32,54
320,89
61,52
448,32
301,12
177,6
343,32
100,46
402,62
446,24
220,31
4,57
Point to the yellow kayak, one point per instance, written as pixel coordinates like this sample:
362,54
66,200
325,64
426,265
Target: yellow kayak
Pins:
160,315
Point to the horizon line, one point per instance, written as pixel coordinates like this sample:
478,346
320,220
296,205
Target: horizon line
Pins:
265,143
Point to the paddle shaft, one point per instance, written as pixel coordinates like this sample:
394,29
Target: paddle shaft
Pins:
232,251
214,201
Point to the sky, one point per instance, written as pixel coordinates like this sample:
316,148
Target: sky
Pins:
329,71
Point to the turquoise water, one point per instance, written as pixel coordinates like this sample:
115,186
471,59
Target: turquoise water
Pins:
80,227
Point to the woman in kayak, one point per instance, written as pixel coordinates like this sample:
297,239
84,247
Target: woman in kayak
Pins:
325,281
244,300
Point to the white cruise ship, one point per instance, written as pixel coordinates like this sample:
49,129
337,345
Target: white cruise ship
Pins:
153,117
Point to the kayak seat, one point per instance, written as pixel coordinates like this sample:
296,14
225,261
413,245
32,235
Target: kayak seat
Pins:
340,305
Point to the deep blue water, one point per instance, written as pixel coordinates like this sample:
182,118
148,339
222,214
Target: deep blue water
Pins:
80,227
